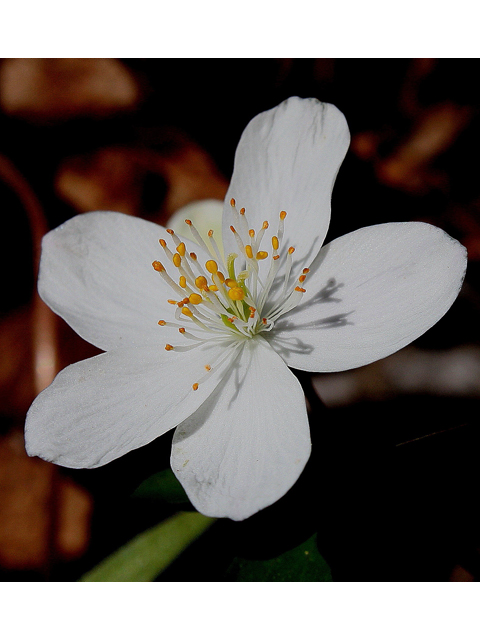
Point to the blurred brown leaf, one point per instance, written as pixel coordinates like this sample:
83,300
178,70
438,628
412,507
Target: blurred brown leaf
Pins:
61,88
115,178
43,516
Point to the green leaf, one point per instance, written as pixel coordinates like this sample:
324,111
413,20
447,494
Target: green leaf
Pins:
162,486
149,553
301,564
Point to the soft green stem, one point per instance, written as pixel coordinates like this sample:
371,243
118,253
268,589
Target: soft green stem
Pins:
149,553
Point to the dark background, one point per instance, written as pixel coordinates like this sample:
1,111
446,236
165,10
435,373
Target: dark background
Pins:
388,500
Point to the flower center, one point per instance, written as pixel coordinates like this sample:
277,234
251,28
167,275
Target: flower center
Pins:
228,298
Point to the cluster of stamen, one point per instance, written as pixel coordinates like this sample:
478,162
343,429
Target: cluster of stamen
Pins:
219,302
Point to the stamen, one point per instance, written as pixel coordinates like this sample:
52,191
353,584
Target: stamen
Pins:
190,336
261,233
283,215
168,347
195,298
248,251
158,266
201,282
236,293
211,266
261,255
243,225
195,386
197,236
240,244
216,250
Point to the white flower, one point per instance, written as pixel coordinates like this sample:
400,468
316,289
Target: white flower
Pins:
217,366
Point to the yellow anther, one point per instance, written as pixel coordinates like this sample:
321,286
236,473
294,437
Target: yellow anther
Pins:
162,242
181,249
251,233
189,222
264,320
242,211
235,293
265,225
182,282
211,266
275,242
208,367
261,255
195,298
185,301
252,312
300,289
201,282
168,347
170,231
162,323
195,386
232,202
182,329
172,301
232,319
231,283
291,250
302,278
213,287
193,256
306,271
232,228
158,266
180,304
276,257
221,277
177,259
283,215
186,311
210,233
248,251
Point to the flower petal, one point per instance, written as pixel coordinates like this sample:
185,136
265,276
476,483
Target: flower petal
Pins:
287,159
370,293
247,445
96,273
101,408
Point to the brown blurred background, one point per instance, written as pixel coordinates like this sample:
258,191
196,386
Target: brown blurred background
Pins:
147,136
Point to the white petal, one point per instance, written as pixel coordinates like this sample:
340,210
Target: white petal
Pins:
247,445
287,159
370,293
99,409
96,273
